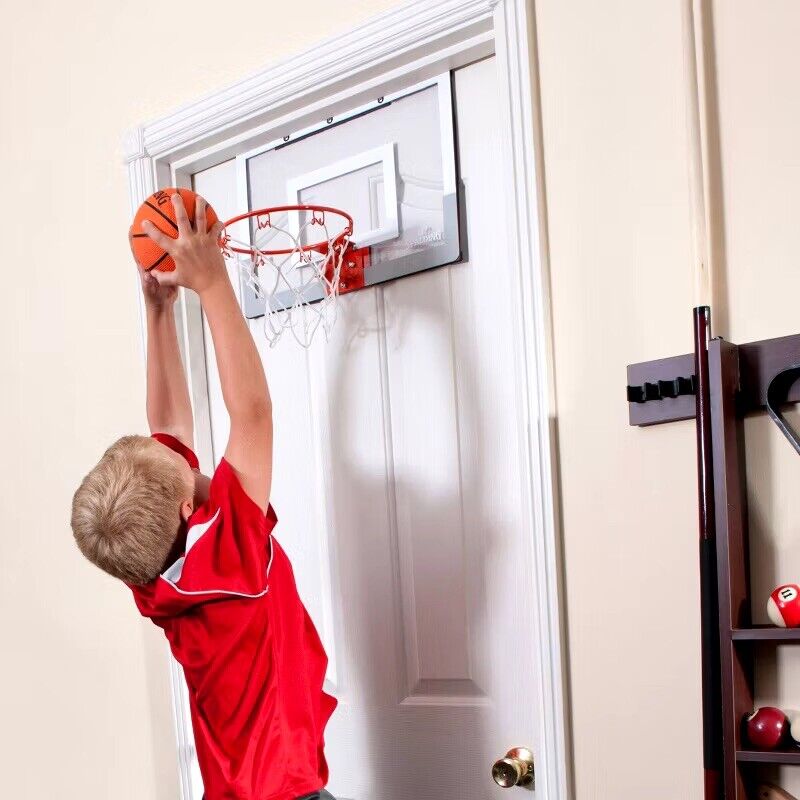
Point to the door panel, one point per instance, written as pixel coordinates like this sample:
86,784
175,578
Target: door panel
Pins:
398,465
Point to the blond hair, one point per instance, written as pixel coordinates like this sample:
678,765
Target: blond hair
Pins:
126,514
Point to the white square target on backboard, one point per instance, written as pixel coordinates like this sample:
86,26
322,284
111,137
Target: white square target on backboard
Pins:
390,164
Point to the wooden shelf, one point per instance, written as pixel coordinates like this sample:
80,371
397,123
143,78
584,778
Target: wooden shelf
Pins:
766,633
782,756
733,384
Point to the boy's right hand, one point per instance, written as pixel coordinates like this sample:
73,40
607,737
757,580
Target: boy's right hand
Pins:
156,296
199,263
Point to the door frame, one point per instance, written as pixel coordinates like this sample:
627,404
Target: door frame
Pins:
413,41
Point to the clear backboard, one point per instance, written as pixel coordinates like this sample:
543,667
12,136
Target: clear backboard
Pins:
391,164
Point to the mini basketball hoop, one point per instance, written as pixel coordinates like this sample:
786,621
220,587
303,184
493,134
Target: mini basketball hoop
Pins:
298,260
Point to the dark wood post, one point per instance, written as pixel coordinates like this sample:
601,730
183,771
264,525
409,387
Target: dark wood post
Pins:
730,502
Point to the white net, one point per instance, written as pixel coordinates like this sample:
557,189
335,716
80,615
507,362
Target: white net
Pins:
293,264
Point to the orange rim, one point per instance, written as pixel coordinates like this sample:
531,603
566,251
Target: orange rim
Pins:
320,246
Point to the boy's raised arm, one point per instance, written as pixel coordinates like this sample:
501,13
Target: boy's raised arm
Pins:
201,267
169,409
244,388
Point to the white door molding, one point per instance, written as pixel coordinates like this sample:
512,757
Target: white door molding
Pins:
411,42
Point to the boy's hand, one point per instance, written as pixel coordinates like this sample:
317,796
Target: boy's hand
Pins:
156,296
199,263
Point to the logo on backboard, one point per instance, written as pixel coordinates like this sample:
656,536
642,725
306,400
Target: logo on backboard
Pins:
428,236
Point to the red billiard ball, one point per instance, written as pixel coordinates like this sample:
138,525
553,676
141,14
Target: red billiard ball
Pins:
766,727
783,606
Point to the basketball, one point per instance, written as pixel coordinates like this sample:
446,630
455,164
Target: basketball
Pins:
159,210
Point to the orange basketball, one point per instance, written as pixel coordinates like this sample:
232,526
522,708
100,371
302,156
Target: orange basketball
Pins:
159,210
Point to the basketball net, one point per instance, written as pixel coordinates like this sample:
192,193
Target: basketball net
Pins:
292,264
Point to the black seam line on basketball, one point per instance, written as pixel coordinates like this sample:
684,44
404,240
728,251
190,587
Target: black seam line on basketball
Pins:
160,259
138,235
162,214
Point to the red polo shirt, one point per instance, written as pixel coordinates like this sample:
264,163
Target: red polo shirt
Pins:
253,661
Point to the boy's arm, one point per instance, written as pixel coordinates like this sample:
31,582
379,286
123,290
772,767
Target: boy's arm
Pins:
244,389
169,409
201,267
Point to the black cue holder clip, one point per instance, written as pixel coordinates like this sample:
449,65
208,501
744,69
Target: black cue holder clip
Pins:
662,389
777,395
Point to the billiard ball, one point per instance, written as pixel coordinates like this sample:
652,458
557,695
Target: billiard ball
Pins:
766,727
783,606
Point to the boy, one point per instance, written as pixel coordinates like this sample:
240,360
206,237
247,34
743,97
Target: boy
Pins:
199,554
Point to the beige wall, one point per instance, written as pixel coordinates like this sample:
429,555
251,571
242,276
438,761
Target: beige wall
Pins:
617,181
84,699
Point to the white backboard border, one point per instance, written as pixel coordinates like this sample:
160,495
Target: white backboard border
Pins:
452,234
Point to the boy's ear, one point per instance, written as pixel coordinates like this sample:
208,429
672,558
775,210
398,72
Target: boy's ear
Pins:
187,507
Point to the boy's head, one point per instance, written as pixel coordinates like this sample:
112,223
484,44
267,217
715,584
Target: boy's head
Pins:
131,508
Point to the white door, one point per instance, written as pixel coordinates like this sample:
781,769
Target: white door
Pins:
399,469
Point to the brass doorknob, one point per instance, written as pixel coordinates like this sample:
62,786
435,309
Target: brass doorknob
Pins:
516,769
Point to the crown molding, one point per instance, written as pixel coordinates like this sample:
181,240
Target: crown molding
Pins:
133,144
401,35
